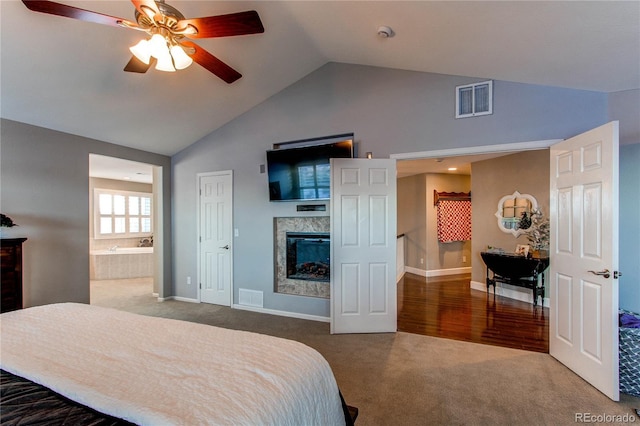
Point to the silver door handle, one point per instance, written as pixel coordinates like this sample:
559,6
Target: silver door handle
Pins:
604,273
225,247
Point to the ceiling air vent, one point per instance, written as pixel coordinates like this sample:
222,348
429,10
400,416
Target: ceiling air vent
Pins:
474,99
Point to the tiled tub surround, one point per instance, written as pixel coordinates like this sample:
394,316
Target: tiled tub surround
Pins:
127,262
282,225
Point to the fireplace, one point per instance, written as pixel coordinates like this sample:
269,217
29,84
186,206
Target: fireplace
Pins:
308,256
304,227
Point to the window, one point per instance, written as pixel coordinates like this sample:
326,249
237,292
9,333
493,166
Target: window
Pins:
474,99
314,181
122,214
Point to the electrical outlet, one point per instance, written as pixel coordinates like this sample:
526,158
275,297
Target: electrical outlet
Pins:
464,259
189,280
421,260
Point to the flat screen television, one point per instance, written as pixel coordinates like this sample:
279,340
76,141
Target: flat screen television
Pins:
300,170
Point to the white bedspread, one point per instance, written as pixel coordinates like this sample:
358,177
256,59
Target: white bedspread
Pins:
158,371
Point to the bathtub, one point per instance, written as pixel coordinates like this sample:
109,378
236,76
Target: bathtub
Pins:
121,263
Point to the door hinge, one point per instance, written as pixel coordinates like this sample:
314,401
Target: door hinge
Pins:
200,285
616,274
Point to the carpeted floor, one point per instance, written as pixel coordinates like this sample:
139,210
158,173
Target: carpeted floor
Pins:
408,379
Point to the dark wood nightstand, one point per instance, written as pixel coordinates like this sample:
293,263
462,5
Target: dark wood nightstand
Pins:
11,284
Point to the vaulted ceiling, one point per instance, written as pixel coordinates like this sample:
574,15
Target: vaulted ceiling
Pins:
67,75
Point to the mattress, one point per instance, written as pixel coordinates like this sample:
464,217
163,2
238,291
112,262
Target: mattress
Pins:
147,370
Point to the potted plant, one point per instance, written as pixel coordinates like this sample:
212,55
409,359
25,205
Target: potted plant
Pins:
6,222
538,233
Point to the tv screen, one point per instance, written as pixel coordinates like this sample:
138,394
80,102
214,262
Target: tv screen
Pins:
303,173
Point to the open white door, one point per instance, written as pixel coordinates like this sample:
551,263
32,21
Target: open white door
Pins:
215,229
583,319
363,246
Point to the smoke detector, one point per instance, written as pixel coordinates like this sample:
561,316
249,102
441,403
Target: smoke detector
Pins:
385,32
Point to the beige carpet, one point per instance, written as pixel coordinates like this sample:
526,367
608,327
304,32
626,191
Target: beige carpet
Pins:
407,379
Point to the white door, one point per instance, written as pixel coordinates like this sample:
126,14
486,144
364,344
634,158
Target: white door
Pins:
215,230
583,319
363,246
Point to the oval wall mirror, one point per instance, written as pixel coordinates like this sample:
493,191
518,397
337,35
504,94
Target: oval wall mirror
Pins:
514,213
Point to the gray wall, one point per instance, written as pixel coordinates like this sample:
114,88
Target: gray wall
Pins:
45,189
390,111
412,222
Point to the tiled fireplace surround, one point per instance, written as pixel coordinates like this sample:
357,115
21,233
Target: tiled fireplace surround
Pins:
281,226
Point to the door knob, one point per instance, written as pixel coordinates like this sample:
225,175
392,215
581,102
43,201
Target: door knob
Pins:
225,247
604,273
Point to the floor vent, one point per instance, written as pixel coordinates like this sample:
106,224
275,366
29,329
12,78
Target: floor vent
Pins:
250,298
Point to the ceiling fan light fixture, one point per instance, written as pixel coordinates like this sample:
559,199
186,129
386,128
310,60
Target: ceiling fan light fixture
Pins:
165,63
142,51
180,59
158,46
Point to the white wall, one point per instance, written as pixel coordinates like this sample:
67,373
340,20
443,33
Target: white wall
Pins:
390,111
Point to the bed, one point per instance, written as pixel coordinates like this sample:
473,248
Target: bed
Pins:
128,368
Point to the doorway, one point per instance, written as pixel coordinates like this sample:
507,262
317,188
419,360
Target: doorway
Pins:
463,282
123,223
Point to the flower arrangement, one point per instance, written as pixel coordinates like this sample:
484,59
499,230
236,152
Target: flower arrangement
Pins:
6,221
538,232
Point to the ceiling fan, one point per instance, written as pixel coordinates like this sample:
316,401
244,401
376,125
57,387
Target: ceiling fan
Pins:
168,28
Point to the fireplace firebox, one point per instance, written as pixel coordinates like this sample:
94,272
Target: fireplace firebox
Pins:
308,256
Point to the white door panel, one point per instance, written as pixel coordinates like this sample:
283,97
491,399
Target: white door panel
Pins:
215,278
363,224
583,319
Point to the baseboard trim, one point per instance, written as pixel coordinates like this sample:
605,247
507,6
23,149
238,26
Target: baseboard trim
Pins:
506,290
437,272
255,309
179,299
450,271
415,271
282,313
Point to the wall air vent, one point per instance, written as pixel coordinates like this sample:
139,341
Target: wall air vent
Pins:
250,298
475,99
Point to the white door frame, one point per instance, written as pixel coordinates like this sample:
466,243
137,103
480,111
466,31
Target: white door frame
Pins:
199,177
472,150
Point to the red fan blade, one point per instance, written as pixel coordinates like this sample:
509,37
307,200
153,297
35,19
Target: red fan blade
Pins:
146,7
224,25
213,64
59,9
136,65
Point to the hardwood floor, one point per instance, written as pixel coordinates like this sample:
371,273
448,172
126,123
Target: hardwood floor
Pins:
447,307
